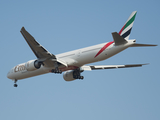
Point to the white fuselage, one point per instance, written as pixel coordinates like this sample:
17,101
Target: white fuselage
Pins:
73,59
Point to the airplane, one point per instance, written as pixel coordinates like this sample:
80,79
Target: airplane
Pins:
73,63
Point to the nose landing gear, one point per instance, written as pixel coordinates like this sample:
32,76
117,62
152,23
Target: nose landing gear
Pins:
15,85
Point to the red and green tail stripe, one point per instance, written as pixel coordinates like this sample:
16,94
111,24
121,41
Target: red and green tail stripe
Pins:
126,29
124,32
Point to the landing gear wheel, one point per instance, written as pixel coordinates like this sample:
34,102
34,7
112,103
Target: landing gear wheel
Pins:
77,74
82,77
15,85
56,71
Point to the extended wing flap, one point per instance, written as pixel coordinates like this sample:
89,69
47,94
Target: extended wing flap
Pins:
99,67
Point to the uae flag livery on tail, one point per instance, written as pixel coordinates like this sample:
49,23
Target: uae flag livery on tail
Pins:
126,29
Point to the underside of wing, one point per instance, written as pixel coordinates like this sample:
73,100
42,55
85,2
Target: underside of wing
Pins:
37,49
41,53
99,67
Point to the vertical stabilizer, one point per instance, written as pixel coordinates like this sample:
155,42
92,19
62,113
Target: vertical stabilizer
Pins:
126,29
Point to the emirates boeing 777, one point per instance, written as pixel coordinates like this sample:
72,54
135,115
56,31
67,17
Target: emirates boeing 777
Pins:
73,63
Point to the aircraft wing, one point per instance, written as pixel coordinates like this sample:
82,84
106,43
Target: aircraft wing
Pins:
99,67
37,49
41,53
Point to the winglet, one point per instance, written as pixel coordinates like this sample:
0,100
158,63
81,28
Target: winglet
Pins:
118,40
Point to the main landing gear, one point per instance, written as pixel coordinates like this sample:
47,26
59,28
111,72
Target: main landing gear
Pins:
56,70
77,74
15,85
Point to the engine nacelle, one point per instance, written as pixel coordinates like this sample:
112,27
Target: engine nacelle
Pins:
32,65
68,75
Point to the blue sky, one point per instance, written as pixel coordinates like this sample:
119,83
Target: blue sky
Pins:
64,25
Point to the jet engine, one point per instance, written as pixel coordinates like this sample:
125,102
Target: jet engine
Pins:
68,75
33,65
71,75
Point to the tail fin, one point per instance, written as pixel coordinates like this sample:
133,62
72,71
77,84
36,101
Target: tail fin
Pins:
126,29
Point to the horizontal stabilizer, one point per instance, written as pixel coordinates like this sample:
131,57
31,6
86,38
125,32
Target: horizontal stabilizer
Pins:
141,45
118,39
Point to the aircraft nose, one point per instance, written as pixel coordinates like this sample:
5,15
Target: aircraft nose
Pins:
9,75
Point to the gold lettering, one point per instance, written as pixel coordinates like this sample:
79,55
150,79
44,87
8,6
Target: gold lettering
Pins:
15,69
19,68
